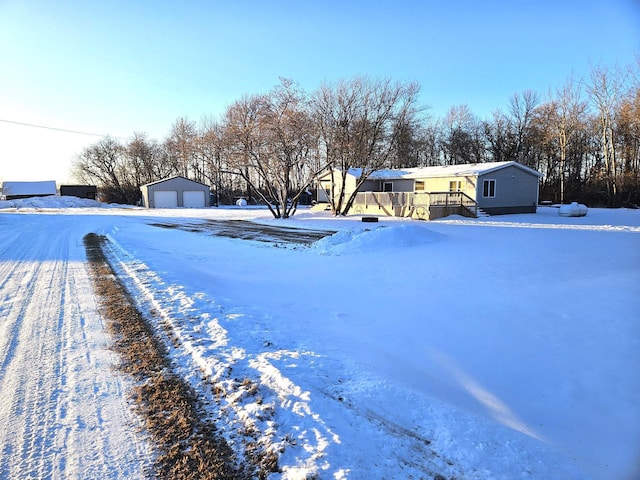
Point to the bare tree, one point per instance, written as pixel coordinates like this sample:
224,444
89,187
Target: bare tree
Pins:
359,122
429,145
522,108
462,140
628,136
243,139
510,136
292,140
409,141
147,159
605,90
211,149
104,164
497,133
566,116
182,149
273,145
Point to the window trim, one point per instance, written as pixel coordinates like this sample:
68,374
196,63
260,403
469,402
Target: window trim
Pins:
458,185
487,190
415,186
384,187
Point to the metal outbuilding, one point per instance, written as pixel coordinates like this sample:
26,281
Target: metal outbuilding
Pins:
175,192
80,191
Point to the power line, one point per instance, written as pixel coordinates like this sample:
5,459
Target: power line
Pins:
58,129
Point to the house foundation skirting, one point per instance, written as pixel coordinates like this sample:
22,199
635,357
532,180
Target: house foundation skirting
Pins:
509,210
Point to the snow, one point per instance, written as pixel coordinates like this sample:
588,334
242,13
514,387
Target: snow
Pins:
501,347
62,409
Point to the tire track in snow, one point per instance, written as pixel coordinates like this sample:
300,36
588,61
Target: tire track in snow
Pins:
63,412
13,297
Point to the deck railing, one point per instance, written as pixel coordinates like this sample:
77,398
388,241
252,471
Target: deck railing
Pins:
391,199
412,199
446,199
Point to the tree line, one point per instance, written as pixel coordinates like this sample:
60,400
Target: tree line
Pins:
584,137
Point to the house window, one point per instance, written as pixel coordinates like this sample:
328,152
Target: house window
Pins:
455,186
387,187
489,188
419,186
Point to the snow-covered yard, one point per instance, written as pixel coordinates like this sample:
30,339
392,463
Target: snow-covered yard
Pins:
503,347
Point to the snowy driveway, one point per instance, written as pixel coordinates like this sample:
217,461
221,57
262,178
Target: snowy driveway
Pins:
245,230
63,413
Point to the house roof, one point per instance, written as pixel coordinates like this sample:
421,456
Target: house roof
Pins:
465,170
171,178
47,187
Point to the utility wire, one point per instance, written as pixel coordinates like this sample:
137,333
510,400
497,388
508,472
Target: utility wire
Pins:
58,129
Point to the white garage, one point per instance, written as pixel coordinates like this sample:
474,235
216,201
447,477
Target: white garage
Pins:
193,199
175,192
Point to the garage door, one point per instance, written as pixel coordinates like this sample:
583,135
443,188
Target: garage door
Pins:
165,199
193,198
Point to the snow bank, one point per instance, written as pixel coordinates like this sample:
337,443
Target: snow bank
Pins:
55,202
380,238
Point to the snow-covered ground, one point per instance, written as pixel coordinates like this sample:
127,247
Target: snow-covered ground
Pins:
63,411
503,347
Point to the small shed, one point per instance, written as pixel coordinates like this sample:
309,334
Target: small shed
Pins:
17,190
80,191
176,192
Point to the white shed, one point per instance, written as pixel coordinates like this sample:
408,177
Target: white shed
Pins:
175,192
14,190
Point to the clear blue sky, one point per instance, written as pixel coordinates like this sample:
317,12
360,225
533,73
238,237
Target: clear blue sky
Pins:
118,67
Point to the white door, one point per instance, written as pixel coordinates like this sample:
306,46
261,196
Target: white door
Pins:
165,199
193,198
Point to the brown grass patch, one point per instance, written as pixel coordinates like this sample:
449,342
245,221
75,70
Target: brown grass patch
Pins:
188,445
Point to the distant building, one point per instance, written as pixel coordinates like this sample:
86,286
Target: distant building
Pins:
80,191
175,192
17,190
